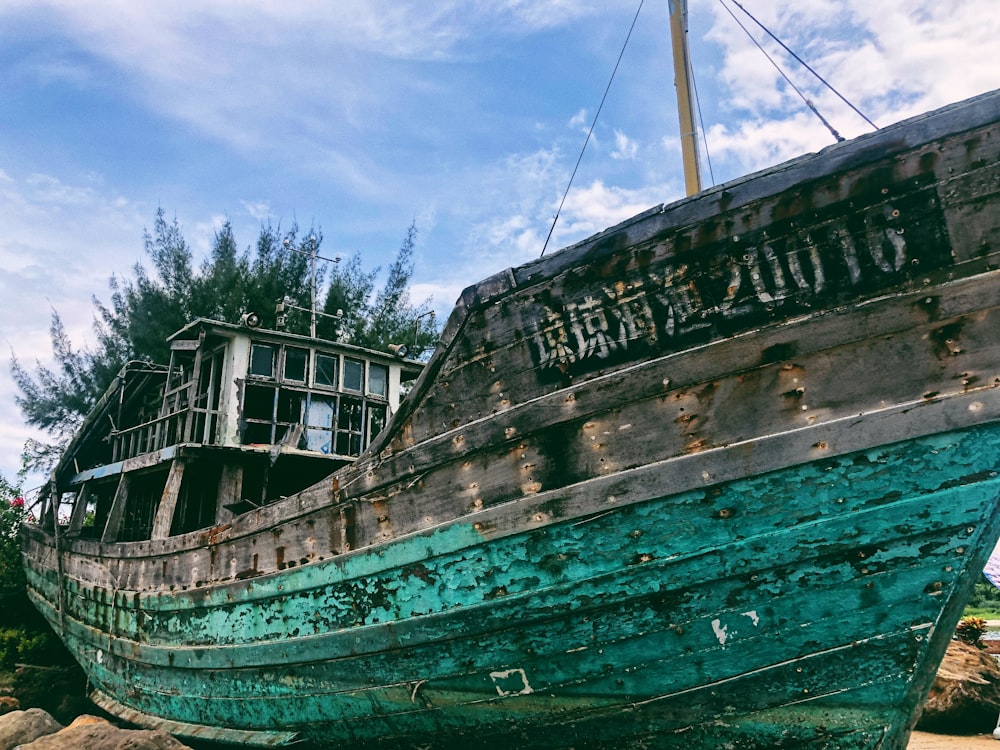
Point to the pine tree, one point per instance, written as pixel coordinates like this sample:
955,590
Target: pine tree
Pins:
145,309
378,319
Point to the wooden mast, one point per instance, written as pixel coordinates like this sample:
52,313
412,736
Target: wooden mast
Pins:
685,101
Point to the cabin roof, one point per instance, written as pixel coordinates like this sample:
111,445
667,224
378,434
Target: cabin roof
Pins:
194,329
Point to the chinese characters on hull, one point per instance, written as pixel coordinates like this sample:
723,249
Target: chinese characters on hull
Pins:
771,273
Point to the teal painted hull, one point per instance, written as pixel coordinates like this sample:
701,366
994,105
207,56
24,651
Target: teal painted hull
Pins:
685,611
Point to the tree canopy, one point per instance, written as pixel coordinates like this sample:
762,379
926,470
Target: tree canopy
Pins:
145,308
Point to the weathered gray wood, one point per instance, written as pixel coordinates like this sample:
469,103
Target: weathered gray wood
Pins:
414,502
230,491
79,512
116,515
189,417
164,517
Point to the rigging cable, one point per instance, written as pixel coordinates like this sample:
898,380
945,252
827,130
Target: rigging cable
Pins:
803,63
788,80
777,67
592,126
701,124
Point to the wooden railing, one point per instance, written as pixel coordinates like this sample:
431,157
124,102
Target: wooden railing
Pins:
185,424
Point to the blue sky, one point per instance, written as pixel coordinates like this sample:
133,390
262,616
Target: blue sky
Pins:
360,116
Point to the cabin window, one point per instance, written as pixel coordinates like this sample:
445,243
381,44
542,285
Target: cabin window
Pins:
296,364
262,357
342,425
207,400
268,413
258,414
376,421
378,380
349,426
258,402
326,370
354,371
289,406
319,424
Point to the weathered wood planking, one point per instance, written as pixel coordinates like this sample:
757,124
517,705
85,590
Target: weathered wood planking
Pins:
724,473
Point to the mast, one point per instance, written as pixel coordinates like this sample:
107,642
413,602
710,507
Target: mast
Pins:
685,102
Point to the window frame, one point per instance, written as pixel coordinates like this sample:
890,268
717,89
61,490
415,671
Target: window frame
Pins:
384,394
285,349
275,351
337,360
363,367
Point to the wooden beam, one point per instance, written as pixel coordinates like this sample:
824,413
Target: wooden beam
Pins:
230,491
685,99
79,512
168,501
117,514
189,417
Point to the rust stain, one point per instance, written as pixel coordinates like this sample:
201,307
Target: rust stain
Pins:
778,352
697,446
706,394
641,557
947,340
929,306
250,572
419,570
498,592
968,380
211,536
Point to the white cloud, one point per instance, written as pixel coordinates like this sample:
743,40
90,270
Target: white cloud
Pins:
892,59
580,121
61,243
597,206
625,147
258,210
892,50
757,144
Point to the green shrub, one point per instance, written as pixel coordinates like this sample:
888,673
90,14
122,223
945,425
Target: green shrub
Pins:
985,597
27,646
9,640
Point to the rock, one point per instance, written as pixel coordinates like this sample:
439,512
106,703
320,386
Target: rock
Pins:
60,691
18,727
84,719
93,733
965,696
8,703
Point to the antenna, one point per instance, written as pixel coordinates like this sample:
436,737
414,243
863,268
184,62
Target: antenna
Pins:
313,245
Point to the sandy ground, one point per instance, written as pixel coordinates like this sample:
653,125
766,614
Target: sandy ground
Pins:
927,741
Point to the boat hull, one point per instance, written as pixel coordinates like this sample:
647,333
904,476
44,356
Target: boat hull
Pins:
678,617
723,475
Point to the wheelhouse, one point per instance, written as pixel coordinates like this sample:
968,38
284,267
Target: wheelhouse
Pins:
237,418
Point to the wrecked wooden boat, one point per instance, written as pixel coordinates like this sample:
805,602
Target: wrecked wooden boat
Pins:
720,476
